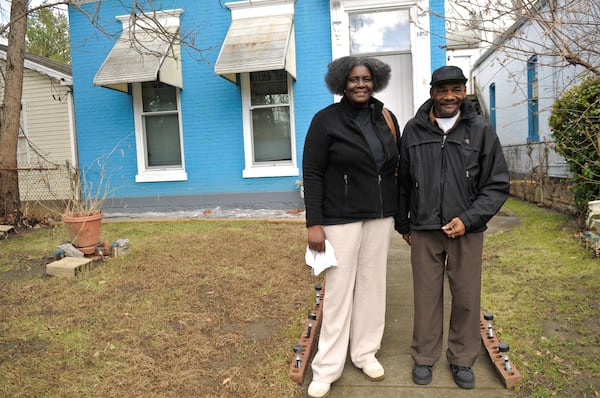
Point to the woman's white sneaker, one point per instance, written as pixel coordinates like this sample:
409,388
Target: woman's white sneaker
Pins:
374,371
316,389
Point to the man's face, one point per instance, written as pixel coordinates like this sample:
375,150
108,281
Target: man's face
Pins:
447,98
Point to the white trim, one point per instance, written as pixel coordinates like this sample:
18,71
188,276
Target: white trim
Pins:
419,36
271,171
64,79
146,174
162,175
260,8
23,135
72,128
266,169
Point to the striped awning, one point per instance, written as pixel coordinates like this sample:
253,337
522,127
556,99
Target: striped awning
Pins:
258,44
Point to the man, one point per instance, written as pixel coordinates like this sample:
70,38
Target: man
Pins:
453,180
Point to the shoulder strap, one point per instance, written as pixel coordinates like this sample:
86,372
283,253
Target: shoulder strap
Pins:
390,122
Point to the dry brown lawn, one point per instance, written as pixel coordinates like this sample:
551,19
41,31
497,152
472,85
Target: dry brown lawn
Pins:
197,309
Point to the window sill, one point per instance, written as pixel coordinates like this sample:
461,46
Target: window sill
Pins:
270,171
161,175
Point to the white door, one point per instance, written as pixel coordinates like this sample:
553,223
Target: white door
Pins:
398,95
385,34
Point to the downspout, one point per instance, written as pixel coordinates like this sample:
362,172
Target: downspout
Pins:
72,128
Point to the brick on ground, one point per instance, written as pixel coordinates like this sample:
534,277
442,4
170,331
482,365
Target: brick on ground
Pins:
5,230
68,266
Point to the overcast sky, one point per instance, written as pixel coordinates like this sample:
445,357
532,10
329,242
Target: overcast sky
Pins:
5,7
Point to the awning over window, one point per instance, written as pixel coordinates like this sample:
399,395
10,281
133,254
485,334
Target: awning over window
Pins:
258,44
140,56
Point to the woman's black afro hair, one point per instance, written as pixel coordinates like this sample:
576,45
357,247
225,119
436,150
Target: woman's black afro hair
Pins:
338,71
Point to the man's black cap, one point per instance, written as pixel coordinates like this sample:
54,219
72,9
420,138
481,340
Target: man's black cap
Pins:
447,74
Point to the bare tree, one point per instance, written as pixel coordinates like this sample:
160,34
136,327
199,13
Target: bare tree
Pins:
571,28
10,113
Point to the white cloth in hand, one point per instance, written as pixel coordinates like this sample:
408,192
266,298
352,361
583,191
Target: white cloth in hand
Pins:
320,261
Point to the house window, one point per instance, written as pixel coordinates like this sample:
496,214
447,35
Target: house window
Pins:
269,142
493,105
533,134
380,32
159,141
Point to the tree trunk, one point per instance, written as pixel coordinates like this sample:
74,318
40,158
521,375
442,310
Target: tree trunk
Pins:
10,114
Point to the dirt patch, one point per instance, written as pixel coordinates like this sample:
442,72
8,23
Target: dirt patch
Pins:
28,268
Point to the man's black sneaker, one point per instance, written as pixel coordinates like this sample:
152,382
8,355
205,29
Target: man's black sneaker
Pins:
463,376
421,374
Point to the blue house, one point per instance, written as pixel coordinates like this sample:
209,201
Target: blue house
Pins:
196,104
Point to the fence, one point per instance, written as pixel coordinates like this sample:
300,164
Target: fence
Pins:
46,188
540,175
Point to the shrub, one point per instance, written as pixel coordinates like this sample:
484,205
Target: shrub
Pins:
575,125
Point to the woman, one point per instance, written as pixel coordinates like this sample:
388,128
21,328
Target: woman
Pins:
350,194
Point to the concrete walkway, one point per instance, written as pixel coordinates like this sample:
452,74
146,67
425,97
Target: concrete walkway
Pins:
394,354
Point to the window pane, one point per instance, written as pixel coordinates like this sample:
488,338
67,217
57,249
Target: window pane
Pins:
382,31
162,140
158,97
271,134
268,87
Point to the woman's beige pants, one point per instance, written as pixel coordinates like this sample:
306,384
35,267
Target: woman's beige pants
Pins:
354,304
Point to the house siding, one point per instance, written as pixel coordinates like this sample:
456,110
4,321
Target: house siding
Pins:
211,106
47,124
506,66
438,34
47,110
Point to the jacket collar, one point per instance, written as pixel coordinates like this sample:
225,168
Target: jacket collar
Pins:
374,104
425,112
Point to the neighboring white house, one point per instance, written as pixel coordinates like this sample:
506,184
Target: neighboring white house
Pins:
47,136
519,77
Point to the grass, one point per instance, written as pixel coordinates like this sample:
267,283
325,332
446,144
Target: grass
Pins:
197,308
542,286
212,308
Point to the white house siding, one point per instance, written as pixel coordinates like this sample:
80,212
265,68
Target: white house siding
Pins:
505,65
46,107
46,122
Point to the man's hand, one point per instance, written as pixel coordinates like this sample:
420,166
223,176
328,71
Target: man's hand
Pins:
454,228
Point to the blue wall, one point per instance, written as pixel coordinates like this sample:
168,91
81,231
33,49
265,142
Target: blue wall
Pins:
211,106
437,25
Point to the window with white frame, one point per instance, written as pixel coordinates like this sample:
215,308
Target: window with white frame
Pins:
269,142
379,31
159,138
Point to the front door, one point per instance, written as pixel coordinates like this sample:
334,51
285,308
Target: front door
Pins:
386,35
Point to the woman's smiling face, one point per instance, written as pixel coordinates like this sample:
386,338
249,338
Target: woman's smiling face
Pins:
359,86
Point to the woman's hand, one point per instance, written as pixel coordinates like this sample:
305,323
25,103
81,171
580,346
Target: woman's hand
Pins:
316,238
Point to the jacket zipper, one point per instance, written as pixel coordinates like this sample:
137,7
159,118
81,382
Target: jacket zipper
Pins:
346,189
379,179
442,177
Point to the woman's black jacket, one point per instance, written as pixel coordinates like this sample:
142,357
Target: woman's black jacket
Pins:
340,176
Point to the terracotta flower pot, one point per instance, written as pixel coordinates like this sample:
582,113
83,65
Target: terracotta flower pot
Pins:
84,231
